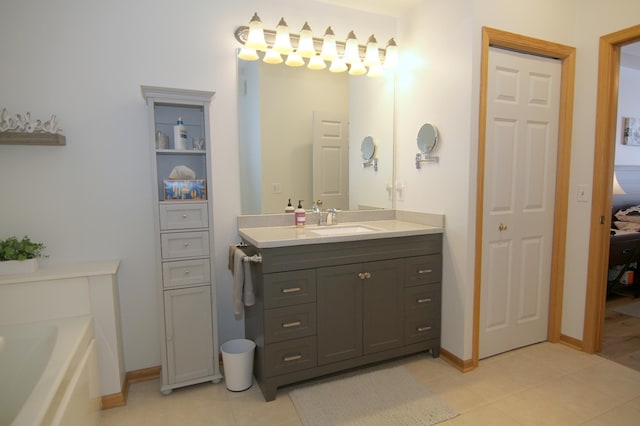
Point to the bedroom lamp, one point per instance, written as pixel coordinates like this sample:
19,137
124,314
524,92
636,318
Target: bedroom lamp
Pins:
617,189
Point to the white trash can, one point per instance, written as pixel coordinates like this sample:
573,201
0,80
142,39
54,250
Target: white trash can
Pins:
237,359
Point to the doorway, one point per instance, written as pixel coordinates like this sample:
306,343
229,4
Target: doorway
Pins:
606,118
527,45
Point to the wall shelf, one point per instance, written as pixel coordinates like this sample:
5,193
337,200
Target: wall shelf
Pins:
20,138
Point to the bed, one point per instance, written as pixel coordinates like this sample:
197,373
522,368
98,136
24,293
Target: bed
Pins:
624,243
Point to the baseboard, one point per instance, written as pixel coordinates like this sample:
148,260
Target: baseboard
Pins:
572,341
119,399
463,366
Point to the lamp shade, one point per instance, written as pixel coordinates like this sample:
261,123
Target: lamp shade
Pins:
357,68
316,63
294,60
282,44
329,49
272,57
305,44
391,55
371,56
617,188
248,54
351,50
255,39
338,65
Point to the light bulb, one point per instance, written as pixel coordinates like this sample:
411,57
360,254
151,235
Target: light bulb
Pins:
372,57
329,50
282,44
248,54
272,57
294,60
316,63
338,65
351,52
305,44
255,39
391,55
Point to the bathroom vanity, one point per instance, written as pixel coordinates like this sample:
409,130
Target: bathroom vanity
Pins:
328,301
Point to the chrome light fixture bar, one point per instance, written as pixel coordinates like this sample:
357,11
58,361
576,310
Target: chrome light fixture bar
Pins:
343,56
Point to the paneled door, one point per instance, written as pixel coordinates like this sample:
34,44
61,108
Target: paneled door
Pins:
331,160
523,93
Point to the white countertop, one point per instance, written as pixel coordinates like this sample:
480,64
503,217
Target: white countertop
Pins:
282,236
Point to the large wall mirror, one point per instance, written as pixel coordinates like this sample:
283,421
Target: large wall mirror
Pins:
300,138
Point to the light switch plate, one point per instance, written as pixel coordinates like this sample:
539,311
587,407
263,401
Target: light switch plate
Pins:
584,193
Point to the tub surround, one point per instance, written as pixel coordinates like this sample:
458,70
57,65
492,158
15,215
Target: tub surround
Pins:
265,231
62,291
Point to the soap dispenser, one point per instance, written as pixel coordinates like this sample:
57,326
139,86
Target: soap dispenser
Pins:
289,208
300,215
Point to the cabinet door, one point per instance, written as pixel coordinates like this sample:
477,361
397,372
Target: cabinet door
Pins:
189,333
383,305
339,305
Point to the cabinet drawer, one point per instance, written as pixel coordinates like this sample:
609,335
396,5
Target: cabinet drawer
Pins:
422,299
289,288
289,356
185,244
185,272
420,327
423,270
183,216
290,322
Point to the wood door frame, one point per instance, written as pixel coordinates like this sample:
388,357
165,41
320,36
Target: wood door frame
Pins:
604,158
567,56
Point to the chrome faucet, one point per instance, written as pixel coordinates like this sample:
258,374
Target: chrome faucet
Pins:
328,217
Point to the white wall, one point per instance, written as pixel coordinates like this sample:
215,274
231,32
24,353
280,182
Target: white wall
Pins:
91,199
628,106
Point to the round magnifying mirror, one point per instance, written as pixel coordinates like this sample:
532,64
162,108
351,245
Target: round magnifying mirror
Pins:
427,138
368,148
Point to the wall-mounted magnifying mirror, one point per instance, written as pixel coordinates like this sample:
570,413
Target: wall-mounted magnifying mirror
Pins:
427,141
368,149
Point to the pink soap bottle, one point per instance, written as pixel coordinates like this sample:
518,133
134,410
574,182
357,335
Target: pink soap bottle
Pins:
300,215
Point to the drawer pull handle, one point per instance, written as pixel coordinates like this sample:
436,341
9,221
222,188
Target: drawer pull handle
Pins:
421,329
291,324
291,358
425,271
425,300
291,290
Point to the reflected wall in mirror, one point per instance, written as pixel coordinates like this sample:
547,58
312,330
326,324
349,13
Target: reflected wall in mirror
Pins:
277,106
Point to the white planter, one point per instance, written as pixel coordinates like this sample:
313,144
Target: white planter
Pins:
13,267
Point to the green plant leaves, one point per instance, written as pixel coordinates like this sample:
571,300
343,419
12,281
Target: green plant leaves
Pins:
14,249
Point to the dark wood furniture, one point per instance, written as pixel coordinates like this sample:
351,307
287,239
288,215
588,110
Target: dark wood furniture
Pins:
325,308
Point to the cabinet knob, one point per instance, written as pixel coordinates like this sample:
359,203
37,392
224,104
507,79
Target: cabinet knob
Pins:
424,300
367,275
361,275
186,244
291,324
502,227
184,216
291,358
424,271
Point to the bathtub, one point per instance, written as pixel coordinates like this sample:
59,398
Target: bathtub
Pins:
48,373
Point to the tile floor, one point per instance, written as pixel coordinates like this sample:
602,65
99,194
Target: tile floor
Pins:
544,384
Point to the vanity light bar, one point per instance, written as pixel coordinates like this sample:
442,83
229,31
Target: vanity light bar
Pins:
356,58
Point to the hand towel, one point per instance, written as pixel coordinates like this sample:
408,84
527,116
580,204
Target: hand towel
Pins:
238,280
242,283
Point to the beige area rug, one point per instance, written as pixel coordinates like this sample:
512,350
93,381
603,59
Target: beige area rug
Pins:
632,309
383,397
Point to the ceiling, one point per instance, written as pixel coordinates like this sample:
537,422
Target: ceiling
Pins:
381,7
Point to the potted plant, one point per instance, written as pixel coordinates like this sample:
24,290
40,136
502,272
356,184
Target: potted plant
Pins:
19,256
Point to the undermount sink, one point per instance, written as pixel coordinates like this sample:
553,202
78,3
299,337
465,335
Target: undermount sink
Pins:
342,230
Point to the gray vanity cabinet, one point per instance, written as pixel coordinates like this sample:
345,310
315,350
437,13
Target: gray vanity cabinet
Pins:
325,308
